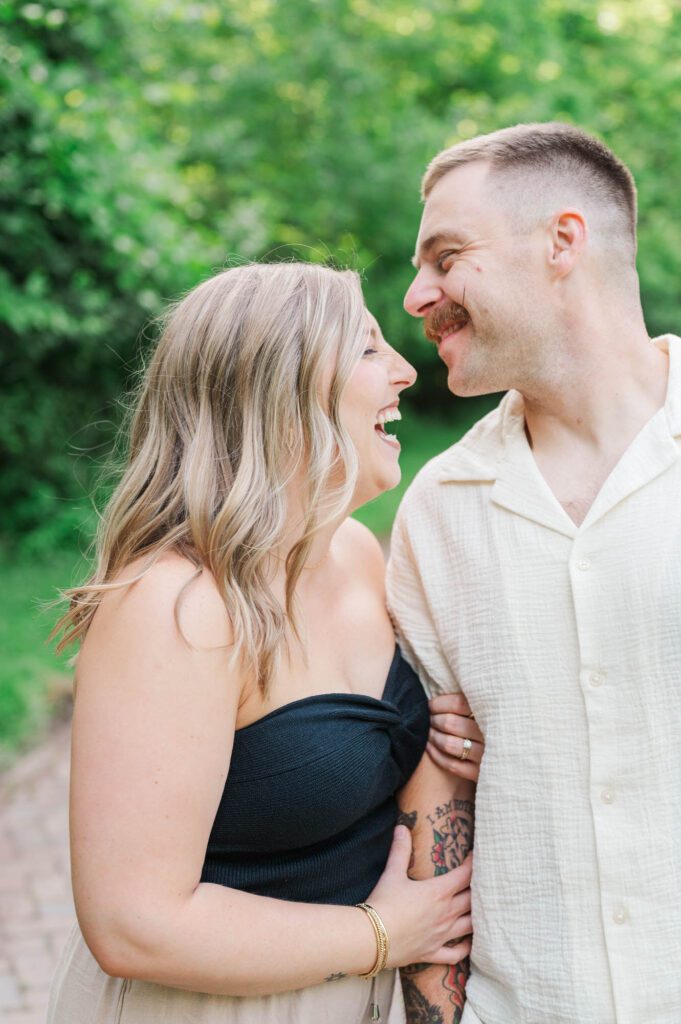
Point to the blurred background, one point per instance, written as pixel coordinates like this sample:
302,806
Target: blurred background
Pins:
146,143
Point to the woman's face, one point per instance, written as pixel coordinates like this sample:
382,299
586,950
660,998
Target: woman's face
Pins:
369,404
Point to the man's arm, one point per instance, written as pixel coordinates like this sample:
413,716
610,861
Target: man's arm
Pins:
439,810
437,805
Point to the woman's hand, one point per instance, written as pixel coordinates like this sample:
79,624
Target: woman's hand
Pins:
451,723
427,921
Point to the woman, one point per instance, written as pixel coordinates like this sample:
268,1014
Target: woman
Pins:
242,718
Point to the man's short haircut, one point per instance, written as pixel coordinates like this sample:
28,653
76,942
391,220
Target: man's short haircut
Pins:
550,159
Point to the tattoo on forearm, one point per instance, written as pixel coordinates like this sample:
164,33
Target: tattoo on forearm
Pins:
452,834
407,818
419,1009
450,807
454,982
335,977
452,825
451,843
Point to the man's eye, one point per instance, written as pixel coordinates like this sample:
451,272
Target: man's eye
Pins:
444,258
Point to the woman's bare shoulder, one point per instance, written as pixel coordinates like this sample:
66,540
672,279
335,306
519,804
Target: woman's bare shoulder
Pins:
169,600
361,549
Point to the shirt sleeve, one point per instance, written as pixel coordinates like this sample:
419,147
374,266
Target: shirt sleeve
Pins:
411,613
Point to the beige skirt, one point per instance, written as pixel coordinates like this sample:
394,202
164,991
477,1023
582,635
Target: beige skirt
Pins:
82,993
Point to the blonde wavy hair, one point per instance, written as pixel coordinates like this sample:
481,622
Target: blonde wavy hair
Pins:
234,403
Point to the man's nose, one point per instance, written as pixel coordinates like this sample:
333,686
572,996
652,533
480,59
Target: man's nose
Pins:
423,292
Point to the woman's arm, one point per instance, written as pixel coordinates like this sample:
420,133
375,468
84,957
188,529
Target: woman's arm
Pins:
153,728
154,722
439,811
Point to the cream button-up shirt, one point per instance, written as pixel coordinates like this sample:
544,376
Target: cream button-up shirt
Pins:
566,640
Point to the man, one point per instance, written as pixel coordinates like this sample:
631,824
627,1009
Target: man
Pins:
536,567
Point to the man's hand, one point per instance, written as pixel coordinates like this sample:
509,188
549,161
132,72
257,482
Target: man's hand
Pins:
455,742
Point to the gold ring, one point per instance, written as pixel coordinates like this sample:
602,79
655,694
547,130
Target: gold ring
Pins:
467,747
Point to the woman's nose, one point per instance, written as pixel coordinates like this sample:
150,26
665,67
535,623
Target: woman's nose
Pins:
404,374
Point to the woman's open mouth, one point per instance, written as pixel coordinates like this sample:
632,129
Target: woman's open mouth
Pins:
388,415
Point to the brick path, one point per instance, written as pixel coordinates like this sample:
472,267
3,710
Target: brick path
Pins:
36,907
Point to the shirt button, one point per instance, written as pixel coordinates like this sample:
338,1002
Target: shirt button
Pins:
584,564
596,678
607,796
620,915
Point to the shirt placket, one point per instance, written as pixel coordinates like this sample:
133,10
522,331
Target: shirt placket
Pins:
610,802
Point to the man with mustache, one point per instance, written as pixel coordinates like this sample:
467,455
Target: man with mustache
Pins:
536,568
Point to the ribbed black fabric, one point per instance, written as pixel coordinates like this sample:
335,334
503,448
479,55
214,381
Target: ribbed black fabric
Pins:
309,806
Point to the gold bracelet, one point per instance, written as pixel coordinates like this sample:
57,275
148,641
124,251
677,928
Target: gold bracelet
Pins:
382,941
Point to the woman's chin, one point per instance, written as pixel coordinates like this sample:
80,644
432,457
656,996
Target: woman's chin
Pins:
367,491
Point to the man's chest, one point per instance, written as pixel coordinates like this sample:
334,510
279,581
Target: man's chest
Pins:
575,481
526,613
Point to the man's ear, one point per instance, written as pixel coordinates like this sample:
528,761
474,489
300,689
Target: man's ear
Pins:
568,235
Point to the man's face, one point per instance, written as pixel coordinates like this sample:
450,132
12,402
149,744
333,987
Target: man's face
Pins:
479,285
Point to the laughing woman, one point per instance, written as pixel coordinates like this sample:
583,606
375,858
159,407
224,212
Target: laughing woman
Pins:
243,720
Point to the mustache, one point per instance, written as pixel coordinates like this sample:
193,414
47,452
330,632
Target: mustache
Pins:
450,314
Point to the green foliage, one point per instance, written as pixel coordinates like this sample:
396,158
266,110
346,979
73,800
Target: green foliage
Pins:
146,143
32,676
95,238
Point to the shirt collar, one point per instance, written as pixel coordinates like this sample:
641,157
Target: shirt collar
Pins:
671,344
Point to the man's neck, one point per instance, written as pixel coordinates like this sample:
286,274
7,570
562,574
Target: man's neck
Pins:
601,387
580,423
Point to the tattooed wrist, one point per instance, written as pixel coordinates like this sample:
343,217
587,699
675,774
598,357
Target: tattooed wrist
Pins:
336,977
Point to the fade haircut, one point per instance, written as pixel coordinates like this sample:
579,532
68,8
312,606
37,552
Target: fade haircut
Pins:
554,163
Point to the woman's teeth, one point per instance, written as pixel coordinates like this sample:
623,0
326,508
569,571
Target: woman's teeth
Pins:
387,416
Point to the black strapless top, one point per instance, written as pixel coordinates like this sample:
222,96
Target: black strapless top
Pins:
309,806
